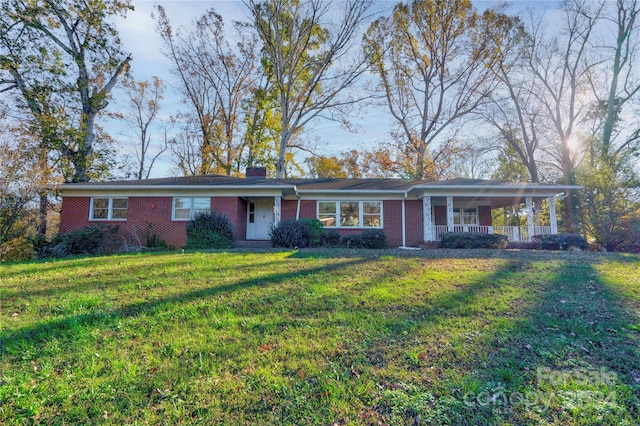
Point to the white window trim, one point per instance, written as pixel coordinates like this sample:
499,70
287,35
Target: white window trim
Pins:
360,213
109,209
191,210
461,216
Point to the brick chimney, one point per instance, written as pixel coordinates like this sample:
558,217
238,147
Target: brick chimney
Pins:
256,173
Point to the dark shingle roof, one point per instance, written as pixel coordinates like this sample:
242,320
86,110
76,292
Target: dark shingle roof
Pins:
220,180
303,185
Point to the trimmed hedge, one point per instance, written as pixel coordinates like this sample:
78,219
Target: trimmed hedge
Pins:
352,241
369,238
472,240
373,239
315,229
560,242
291,233
211,230
93,240
330,238
311,233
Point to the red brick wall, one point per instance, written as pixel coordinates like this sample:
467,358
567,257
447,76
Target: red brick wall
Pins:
392,216
74,214
154,210
157,210
414,222
308,208
236,210
288,209
440,215
241,220
484,215
141,212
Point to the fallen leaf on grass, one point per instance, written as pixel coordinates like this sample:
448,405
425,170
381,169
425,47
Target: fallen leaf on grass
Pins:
266,347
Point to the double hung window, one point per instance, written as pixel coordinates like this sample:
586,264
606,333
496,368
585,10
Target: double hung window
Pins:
350,214
185,208
108,208
465,216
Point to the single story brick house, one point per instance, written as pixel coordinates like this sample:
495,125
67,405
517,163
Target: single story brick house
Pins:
410,212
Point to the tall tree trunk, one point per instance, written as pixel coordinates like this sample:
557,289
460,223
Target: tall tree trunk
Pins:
570,202
42,213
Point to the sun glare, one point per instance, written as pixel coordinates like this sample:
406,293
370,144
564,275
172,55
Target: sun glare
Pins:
572,143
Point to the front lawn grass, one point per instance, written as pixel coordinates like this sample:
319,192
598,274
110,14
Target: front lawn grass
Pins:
322,337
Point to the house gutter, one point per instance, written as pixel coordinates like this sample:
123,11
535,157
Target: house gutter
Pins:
108,187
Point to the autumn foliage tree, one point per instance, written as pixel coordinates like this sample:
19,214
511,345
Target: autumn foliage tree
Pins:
20,181
433,61
61,59
217,77
325,167
307,51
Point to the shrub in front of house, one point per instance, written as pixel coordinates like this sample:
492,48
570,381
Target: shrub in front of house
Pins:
210,231
93,240
330,238
561,242
472,240
290,233
153,240
352,241
373,239
316,230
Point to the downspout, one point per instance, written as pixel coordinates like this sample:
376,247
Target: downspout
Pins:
295,188
404,230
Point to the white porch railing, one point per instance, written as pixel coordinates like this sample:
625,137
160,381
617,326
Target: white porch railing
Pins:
513,233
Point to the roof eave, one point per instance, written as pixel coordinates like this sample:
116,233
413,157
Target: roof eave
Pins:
80,187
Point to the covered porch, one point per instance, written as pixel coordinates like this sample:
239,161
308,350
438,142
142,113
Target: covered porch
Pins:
473,213
513,233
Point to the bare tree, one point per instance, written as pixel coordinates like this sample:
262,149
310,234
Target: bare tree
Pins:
307,52
476,159
514,111
616,83
215,78
187,148
143,99
433,61
561,66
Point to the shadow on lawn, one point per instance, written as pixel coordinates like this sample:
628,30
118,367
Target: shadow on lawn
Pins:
66,328
565,355
559,324
572,360
92,279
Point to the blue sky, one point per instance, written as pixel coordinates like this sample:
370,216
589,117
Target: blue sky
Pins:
137,32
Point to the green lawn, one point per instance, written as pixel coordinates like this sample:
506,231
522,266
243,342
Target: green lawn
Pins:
322,337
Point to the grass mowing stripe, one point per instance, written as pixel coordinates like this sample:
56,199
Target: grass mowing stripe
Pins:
322,337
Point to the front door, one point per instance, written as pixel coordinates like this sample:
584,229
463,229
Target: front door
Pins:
259,219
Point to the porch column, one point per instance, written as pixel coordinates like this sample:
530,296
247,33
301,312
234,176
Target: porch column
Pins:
530,228
553,220
277,209
450,214
426,219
